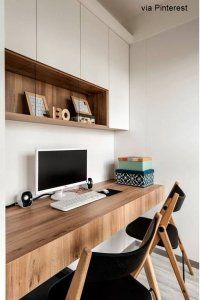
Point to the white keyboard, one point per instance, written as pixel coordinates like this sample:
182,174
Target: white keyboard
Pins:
78,200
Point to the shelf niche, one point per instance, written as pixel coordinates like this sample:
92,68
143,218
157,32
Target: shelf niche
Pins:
24,74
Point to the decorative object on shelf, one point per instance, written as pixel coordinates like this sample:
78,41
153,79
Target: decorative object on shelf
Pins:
62,114
84,118
18,80
37,105
47,114
81,106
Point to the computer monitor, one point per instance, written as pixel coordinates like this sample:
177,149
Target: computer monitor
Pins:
57,169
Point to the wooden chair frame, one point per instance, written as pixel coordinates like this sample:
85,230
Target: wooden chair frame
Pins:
78,280
77,284
164,217
166,213
186,259
147,262
182,248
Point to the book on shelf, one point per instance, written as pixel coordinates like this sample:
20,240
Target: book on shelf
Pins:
135,158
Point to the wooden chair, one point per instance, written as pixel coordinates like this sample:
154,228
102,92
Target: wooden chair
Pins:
167,236
103,276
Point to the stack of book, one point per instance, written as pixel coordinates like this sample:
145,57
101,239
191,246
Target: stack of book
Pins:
136,171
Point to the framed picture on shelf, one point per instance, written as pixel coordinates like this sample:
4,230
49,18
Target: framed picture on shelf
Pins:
37,105
81,106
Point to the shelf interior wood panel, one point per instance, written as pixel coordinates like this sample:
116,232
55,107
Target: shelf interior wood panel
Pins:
24,74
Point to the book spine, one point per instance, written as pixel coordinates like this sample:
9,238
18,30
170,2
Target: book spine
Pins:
135,159
123,158
139,159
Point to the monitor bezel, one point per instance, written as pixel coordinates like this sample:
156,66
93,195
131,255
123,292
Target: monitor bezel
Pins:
51,190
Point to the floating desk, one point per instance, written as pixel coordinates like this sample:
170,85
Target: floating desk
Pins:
41,241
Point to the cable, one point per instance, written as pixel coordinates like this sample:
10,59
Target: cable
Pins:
10,205
40,196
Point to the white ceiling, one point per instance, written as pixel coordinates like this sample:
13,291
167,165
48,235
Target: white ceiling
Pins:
124,8
125,11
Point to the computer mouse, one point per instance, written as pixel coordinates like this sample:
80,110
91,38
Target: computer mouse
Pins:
105,191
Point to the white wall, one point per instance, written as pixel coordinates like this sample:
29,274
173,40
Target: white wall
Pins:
23,138
2,174
164,117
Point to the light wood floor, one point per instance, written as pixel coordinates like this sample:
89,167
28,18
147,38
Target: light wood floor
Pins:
167,282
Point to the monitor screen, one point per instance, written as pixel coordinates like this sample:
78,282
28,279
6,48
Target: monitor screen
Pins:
58,168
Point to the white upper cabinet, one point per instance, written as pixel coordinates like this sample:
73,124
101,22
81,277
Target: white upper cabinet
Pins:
94,49
20,26
58,34
119,82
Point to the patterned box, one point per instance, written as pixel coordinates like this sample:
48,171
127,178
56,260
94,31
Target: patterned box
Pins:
135,178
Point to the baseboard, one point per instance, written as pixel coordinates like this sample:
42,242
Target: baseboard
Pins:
161,252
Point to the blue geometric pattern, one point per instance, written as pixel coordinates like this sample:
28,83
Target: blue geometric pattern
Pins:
141,179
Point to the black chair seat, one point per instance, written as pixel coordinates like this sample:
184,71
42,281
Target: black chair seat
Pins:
126,288
108,276
137,229
42,291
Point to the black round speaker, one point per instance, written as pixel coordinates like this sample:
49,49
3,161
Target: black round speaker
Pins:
90,183
25,199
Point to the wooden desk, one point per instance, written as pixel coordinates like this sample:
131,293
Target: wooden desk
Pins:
41,241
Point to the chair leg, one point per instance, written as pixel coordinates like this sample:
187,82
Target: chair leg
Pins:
187,261
183,266
150,274
165,239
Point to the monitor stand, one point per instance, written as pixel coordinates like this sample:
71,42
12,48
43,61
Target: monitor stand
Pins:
63,195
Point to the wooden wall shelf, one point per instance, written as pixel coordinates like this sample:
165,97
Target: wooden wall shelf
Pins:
19,64
24,74
44,120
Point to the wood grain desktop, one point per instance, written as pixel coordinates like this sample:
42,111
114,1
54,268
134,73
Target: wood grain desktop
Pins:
41,241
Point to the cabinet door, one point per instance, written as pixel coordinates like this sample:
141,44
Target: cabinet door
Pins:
119,82
58,38
94,49
20,26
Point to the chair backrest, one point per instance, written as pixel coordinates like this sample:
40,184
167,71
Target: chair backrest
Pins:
106,266
180,200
